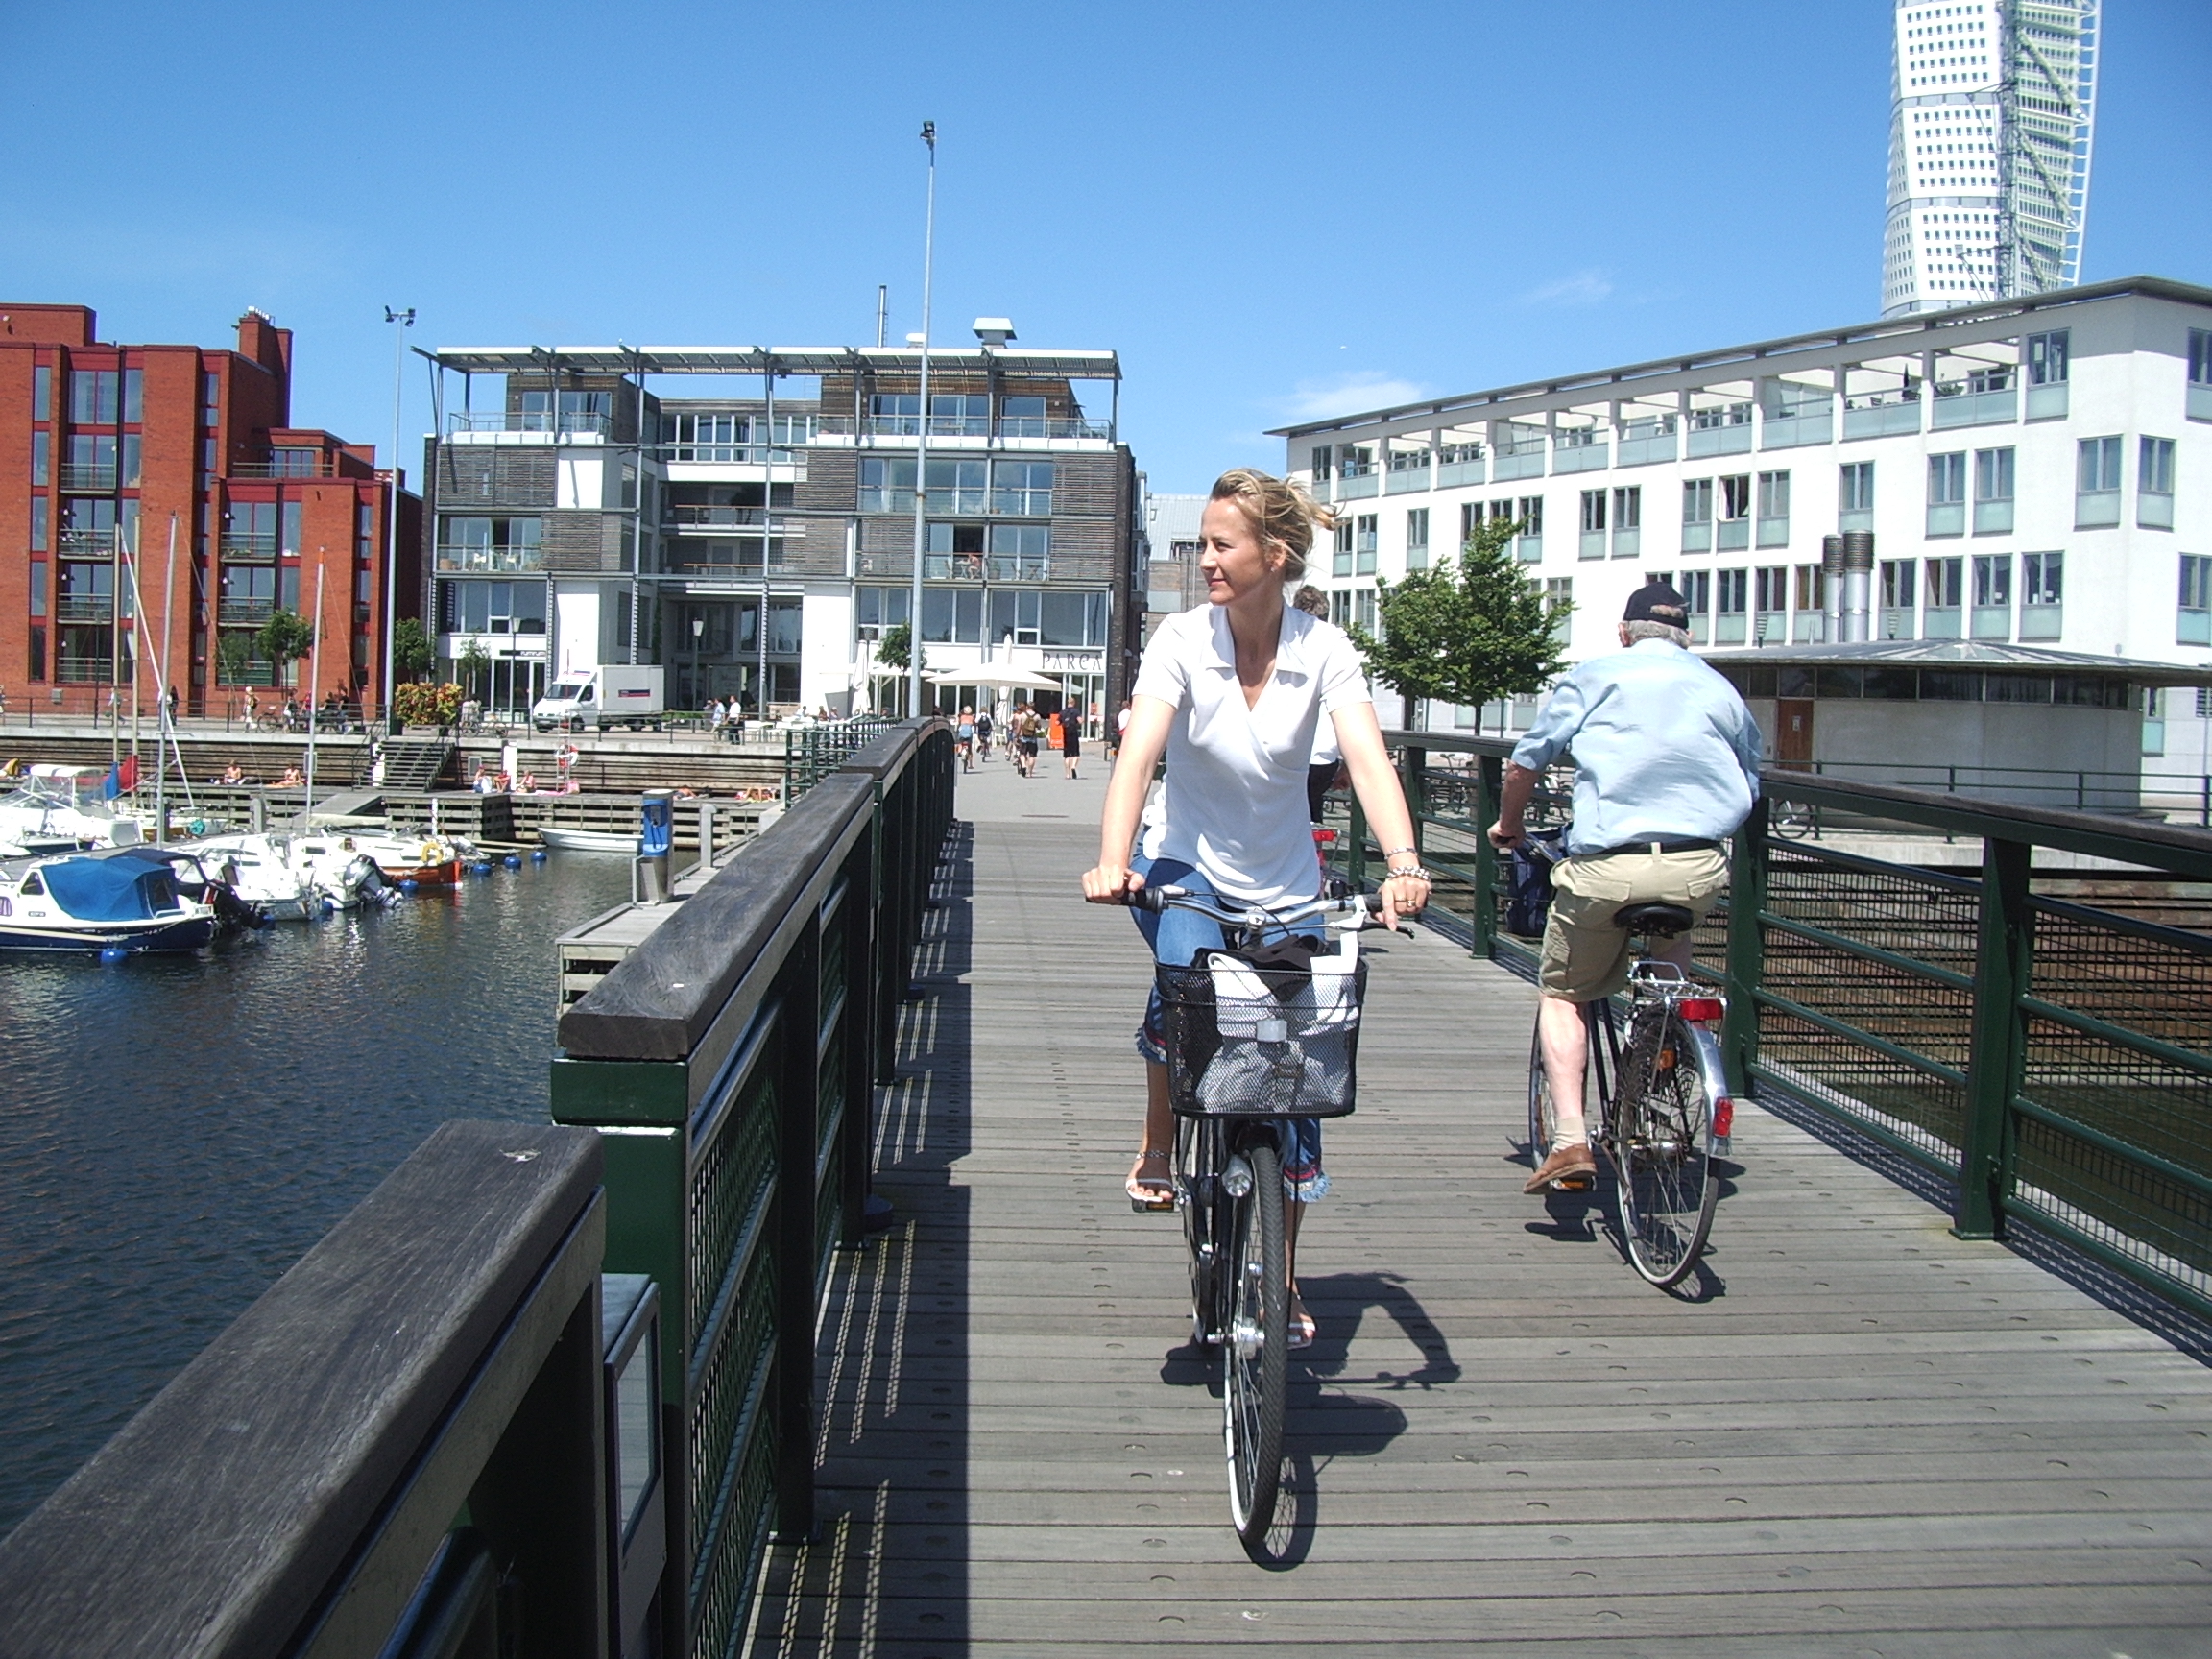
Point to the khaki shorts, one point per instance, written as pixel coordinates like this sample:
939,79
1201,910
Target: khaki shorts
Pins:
1585,955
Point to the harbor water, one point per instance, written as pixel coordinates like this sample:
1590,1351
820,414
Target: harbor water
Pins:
176,1132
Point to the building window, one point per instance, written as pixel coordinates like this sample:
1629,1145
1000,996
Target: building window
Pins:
1529,513
1020,552
1698,516
1022,416
2195,625
94,396
2154,483
1810,605
1946,594
886,484
133,396
876,609
1731,601
1947,494
1593,542
1558,601
208,456
1770,595
1321,463
38,653
1992,596
1417,538
1734,530
1363,609
1855,497
1024,487
2042,594
1992,492
1897,601
1364,541
210,399
1470,520
2096,484
956,486
1340,608
41,456
38,590
1628,522
2046,356
1341,564
40,523
41,393
1773,509
2199,406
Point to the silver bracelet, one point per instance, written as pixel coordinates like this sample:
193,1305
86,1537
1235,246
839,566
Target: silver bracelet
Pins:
1395,851
1416,873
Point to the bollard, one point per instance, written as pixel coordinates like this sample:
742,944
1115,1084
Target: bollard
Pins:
707,834
658,813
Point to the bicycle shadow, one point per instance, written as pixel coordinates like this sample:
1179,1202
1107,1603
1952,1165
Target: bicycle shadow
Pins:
1323,1418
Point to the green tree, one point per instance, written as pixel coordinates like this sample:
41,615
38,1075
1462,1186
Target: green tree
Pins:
1470,629
474,665
411,651
284,639
233,651
891,650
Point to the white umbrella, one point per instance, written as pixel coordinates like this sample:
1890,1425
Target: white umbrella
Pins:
984,674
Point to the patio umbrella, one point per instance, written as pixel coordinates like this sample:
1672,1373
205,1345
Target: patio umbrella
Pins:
985,674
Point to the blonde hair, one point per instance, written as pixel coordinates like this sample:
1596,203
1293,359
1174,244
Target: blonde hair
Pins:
1282,515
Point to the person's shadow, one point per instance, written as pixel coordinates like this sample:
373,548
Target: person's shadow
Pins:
1324,1418
1582,1218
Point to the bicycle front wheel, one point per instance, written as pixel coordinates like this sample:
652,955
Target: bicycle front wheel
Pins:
1662,1153
1256,1344
1198,1195
1542,1118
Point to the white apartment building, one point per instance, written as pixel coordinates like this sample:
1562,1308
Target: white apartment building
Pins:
759,545
2033,473
1992,114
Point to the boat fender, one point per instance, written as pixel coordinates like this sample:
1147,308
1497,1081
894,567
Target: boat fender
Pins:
112,953
538,856
512,861
407,883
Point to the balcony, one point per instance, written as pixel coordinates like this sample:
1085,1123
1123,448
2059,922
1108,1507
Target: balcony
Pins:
71,670
702,567
85,608
244,613
87,543
1722,431
682,517
1022,504
1641,446
1580,450
1881,415
2096,509
963,426
1409,470
1960,404
292,464
1459,463
249,549
1797,425
1356,480
543,422
1518,458
2048,402
479,561
96,479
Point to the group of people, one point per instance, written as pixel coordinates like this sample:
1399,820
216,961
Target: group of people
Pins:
724,718
1028,734
1258,704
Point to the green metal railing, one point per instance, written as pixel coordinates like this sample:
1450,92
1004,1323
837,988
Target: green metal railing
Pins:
731,1064
812,753
2043,1041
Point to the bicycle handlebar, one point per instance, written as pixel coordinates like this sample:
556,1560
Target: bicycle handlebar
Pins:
1166,897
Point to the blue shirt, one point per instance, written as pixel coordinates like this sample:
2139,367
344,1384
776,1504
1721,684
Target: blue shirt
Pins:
1664,748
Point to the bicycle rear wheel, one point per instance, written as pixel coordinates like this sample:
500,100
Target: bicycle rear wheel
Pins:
1542,1119
1256,1344
1663,1151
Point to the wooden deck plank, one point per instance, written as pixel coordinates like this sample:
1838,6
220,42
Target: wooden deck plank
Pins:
1866,1436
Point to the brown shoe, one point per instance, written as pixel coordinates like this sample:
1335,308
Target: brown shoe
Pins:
1570,1169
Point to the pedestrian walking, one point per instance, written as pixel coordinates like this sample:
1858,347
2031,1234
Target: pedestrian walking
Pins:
1071,740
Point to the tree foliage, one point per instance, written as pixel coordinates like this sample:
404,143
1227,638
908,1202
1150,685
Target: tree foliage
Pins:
1470,629
474,667
891,650
285,637
411,651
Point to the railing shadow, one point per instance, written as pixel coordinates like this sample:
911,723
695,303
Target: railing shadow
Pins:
889,1562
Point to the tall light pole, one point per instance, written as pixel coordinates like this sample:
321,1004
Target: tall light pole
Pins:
922,438
405,321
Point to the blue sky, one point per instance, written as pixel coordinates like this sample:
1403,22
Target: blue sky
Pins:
1271,212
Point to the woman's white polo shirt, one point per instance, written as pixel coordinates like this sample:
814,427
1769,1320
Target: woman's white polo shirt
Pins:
1232,804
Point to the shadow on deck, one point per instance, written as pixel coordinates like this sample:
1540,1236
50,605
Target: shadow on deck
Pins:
1855,1435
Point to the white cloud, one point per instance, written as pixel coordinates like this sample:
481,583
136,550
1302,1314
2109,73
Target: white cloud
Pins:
1581,288
1351,394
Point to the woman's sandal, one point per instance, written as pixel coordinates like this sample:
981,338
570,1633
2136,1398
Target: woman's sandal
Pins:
1150,1194
1302,1327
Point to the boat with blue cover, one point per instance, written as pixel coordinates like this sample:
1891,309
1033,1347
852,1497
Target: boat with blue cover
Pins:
114,900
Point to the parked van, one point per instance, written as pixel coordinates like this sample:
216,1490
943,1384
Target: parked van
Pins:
610,694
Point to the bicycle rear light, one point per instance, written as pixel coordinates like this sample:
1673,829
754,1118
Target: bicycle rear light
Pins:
1723,1117
1700,1008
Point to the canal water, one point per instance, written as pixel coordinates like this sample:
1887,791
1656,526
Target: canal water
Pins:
176,1132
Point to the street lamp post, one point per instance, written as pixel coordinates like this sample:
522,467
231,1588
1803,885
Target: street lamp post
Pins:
405,321
698,628
922,438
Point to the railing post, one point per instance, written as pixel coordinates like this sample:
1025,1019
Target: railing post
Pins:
1413,776
1489,785
1746,948
2001,972
797,1085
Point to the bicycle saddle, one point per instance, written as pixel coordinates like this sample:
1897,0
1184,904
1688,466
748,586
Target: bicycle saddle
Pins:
1661,921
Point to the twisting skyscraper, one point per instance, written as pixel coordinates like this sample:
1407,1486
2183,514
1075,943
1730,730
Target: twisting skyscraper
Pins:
1991,110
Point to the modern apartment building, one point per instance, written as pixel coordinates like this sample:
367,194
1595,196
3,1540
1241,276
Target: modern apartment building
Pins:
109,450
1174,581
2033,473
1992,114
759,545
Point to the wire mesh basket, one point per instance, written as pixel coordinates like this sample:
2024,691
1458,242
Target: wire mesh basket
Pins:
1252,1042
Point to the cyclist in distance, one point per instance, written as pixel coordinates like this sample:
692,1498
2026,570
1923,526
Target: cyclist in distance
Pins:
1665,765
1232,693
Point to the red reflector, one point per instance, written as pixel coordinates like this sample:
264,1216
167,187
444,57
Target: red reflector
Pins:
1700,1007
1327,837
1723,1116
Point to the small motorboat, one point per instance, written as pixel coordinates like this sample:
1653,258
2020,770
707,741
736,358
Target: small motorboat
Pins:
428,860
60,810
208,885
587,840
262,871
107,900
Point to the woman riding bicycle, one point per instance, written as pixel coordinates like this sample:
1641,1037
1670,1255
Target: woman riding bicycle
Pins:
1232,693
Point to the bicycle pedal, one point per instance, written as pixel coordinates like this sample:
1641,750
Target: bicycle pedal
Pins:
1574,1184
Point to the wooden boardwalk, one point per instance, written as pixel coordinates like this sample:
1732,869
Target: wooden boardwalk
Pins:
1858,1435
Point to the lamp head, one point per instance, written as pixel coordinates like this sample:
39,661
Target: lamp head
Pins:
929,133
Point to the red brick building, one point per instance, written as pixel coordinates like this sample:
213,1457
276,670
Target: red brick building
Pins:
104,448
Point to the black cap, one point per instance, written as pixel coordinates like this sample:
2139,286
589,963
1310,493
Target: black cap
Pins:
1656,602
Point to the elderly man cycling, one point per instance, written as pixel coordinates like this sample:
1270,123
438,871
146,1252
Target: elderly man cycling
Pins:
1665,765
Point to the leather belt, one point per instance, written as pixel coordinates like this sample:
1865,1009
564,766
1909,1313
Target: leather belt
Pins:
1653,848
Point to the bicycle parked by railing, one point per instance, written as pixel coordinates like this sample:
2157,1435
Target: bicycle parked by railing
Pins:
1656,1100
1255,1036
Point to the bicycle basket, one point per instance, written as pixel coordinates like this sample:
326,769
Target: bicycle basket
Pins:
1252,1042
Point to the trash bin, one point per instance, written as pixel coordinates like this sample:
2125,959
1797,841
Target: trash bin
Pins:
658,812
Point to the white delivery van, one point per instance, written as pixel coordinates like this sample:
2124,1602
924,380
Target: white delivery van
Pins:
610,694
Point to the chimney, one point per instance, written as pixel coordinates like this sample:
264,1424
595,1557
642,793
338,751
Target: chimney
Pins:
994,330
1831,587
1857,604
264,343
